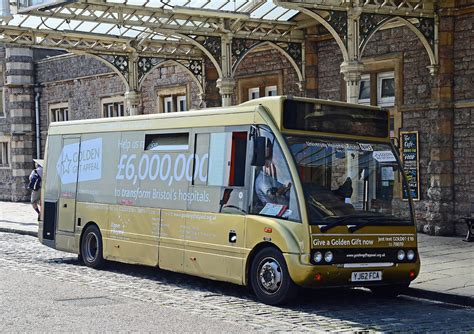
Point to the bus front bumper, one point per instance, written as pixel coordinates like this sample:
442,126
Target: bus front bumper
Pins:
321,276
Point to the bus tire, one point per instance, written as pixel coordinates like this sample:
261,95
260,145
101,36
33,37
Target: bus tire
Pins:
91,247
270,279
389,291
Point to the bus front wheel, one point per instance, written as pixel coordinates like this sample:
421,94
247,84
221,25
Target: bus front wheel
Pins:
91,247
270,279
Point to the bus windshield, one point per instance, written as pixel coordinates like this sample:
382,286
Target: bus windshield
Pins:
350,181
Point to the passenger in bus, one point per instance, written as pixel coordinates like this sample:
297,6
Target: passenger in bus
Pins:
267,186
344,192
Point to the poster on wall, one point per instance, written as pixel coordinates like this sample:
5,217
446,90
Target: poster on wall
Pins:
411,163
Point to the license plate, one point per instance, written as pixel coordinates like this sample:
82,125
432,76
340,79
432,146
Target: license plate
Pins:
365,276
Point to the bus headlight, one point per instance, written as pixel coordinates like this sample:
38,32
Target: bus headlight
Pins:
328,256
401,255
317,257
410,255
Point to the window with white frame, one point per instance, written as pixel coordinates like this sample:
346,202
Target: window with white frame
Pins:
58,112
4,153
386,89
364,89
181,103
254,93
168,104
113,107
172,99
174,103
271,91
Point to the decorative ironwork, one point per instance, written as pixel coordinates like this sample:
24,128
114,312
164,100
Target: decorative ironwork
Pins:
195,66
338,20
240,46
427,27
295,50
213,45
121,63
412,8
368,23
145,65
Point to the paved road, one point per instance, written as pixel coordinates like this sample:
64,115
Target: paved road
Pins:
46,289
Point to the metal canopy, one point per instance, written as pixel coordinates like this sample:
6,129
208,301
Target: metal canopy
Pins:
414,8
133,35
168,29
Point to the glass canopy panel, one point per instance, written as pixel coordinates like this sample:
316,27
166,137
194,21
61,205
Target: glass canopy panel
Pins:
152,20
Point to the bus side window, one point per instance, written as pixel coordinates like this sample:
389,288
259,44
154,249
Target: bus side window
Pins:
201,159
274,192
225,167
227,156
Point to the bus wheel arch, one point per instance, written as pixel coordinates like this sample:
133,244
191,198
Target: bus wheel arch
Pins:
251,257
91,246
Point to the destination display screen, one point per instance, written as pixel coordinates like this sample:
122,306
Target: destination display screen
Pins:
308,116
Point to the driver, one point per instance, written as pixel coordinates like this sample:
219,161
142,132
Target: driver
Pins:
267,186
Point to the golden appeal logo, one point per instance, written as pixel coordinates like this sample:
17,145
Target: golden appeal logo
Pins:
80,162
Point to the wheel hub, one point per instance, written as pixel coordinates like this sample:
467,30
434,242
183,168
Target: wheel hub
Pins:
270,275
91,247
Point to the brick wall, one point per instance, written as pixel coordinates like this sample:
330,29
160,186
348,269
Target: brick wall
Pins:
167,77
464,116
330,80
78,80
17,64
69,67
269,61
416,77
4,121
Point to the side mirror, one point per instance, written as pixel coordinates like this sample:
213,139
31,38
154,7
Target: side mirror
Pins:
258,158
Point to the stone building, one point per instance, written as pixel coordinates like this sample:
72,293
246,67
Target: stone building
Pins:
59,86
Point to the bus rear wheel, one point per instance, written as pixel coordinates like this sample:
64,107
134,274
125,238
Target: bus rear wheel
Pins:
91,247
270,279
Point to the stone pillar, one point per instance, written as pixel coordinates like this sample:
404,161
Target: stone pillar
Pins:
226,83
226,89
439,205
352,74
133,102
133,95
20,104
353,67
311,65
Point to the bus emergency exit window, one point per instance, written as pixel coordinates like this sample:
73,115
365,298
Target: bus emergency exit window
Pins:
167,142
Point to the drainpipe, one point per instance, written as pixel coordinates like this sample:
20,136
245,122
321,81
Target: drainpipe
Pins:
37,121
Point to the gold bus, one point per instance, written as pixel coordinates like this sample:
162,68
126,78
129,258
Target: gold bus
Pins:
276,193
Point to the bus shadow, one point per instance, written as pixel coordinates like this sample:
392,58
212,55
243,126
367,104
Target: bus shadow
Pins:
357,306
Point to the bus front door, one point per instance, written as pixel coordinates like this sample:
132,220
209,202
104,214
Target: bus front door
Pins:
68,167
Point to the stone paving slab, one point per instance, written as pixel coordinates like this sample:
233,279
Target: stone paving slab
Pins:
447,263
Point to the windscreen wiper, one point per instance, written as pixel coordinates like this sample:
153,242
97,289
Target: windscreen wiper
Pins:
381,219
338,221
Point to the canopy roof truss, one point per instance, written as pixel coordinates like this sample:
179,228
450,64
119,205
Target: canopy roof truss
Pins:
407,8
132,34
